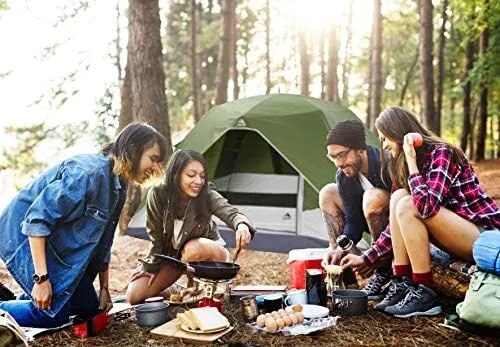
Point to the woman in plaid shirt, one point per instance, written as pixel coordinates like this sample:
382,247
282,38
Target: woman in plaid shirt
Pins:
437,198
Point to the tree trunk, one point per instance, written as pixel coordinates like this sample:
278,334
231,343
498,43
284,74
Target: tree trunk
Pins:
147,82
268,48
409,77
466,126
346,71
483,98
234,56
195,80
332,80
322,64
376,64
305,76
426,68
228,8
440,79
126,114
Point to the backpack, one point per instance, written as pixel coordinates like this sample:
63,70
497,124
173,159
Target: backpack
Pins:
481,305
10,333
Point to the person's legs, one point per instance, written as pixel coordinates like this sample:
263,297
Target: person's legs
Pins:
332,210
401,260
84,300
138,290
203,249
376,210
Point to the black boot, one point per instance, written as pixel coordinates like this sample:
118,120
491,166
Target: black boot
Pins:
5,293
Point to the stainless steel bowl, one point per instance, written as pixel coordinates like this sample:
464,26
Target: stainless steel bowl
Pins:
151,314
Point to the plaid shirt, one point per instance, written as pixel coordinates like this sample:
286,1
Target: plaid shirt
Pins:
443,184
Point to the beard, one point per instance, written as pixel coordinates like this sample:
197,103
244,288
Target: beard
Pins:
354,167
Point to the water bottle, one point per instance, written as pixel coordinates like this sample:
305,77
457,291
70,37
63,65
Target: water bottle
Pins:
348,247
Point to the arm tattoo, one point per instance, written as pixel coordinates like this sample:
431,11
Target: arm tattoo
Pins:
377,222
334,224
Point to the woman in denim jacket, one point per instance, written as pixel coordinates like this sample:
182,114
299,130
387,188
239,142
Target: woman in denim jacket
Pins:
57,232
179,224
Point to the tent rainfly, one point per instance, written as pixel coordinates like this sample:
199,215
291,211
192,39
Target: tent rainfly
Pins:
267,156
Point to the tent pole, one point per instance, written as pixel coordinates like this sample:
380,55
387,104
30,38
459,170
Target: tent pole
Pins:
300,205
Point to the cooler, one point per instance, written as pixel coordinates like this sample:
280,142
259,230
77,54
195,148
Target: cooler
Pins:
299,260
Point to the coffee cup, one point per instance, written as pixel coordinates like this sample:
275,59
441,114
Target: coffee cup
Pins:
273,302
296,296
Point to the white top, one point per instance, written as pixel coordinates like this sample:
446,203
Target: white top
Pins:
364,182
176,240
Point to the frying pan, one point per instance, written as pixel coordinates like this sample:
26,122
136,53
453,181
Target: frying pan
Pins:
211,270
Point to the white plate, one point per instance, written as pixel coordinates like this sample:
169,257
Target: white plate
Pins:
314,311
186,328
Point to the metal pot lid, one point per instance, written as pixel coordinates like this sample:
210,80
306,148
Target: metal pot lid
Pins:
151,307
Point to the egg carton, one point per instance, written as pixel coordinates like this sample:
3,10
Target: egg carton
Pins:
307,327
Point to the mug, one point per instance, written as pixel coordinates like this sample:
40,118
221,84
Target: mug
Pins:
273,302
296,296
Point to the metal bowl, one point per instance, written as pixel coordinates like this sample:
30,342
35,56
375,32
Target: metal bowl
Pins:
151,314
349,302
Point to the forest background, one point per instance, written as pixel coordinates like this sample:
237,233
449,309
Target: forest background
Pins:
72,73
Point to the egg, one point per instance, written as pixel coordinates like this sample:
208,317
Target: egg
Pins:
281,323
288,321
268,315
297,308
288,309
271,325
284,314
300,317
294,319
281,312
275,315
261,320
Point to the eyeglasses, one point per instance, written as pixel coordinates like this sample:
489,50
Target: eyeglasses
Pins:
339,156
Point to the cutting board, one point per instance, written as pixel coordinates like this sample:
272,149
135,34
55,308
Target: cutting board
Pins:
173,329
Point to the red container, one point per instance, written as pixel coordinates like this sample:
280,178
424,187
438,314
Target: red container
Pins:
84,327
300,260
212,303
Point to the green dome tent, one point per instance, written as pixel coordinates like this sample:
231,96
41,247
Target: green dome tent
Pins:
267,156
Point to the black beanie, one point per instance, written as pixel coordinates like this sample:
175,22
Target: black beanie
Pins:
349,133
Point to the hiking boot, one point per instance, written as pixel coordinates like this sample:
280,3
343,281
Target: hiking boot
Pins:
419,301
5,293
374,288
395,290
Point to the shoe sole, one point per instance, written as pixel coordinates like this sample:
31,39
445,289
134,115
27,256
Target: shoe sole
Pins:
431,312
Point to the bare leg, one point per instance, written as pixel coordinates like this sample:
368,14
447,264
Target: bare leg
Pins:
194,250
332,210
451,231
376,210
398,244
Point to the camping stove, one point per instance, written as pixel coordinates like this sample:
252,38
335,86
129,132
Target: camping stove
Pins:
209,290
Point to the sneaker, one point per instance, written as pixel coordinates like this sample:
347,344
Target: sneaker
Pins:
374,286
5,293
419,301
395,290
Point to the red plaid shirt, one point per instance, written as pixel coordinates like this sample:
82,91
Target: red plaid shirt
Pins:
443,183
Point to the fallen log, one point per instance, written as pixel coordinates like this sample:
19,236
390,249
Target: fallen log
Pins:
450,282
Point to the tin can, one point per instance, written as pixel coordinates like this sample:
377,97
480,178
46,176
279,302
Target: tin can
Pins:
249,308
315,287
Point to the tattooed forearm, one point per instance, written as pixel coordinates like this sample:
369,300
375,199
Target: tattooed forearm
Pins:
377,222
334,224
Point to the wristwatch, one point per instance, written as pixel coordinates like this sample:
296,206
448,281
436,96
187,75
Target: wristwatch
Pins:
37,278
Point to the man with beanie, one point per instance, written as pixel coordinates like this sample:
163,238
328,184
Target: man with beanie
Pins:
358,201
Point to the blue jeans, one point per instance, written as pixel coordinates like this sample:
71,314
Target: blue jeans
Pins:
84,301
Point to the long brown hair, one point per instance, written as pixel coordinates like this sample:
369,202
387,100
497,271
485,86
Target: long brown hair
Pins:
201,204
127,149
394,123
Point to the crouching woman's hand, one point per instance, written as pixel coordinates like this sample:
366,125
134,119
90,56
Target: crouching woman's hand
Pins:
357,263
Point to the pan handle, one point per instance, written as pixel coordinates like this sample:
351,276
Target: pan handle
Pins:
172,260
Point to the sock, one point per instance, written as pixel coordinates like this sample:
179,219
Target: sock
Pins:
402,271
424,278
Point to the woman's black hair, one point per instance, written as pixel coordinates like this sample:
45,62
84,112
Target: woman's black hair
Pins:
126,150
201,204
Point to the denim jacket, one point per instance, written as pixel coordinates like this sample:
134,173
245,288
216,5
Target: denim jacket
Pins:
68,204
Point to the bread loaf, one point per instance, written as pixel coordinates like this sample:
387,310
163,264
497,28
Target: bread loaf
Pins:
207,318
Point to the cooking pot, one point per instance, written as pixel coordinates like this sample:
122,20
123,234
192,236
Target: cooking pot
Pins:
211,270
349,302
150,314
